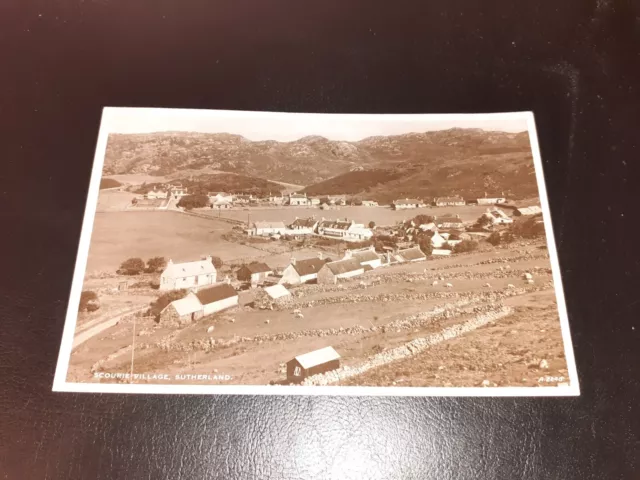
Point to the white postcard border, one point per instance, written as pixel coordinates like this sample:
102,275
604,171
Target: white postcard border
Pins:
60,383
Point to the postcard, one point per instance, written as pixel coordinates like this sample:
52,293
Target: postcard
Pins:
284,253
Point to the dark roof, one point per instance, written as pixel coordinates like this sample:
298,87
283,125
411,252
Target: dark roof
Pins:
367,256
216,293
304,222
412,253
337,224
344,266
367,267
308,266
258,267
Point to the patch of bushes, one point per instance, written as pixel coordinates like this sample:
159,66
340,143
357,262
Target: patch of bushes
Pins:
156,264
88,301
465,246
189,202
132,266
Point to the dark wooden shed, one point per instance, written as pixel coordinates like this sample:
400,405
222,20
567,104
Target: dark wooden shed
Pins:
312,363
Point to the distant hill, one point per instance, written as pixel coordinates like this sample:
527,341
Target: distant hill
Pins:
221,182
109,183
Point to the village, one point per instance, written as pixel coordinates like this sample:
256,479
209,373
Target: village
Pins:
317,299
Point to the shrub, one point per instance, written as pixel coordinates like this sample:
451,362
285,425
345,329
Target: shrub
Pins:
372,224
88,301
193,201
425,246
163,300
494,239
156,264
132,266
217,262
423,219
465,246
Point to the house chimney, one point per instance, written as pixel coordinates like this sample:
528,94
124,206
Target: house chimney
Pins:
293,260
208,258
227,280
320,255
170,262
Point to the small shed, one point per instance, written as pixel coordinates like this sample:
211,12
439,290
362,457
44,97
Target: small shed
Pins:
182,311
268,297
312,363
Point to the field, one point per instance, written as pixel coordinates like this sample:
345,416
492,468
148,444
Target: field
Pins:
119,235
382,216
363,318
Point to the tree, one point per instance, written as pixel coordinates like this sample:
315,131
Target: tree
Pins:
156,264
465,246
163,300
134,201
494,239
88,301
423,219
193,201
132,266
217,262
372,224
483,221
425,245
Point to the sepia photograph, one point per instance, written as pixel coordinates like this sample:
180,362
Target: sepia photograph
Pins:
289,253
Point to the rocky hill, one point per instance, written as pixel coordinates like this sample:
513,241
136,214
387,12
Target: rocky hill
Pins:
465,161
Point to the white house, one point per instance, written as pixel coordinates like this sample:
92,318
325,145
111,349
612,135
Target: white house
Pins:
268,228
491,200
303,226
452,201
182,311
498,217
449,221
332,271
365,256
178,192
156,194
534,210
188,274
440,252
428,226
218,297
314,201
298,200
302,271
369,203
345,229
408,203
438,240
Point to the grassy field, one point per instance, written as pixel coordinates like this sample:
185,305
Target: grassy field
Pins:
119,235
113,201
381,215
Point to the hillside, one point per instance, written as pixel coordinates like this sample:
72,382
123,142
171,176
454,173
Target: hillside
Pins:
221,182
109,183
308,160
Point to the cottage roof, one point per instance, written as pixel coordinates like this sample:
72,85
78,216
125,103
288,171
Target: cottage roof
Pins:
533,210
308,266
216,293
366,256
413,253
187,305
189,269
317,357
258,267
407,201
367,267
277,291
453,198
344,266
269,225
336,224
298,195
304,222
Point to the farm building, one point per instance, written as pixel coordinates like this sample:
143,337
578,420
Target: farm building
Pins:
369,203
304,226
220,197
449,221
407,203
440,252
182,311
268,297
276,199
177,192
245,199
298,200
491,200
366,256
156,194
534,210
314,201
498,217
302,271
217,298
312,363
332,271
188,274
265,229
428,226
413,254
452,201
345,229
254,272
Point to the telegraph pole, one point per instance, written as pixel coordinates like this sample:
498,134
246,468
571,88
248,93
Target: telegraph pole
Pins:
133,347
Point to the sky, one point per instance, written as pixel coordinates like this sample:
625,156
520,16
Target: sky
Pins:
285,127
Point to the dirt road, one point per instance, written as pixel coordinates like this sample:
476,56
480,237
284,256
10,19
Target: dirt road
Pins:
97,326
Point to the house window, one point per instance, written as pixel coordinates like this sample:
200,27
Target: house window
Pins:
297,371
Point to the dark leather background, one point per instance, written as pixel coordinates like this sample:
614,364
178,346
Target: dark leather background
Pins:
575,63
